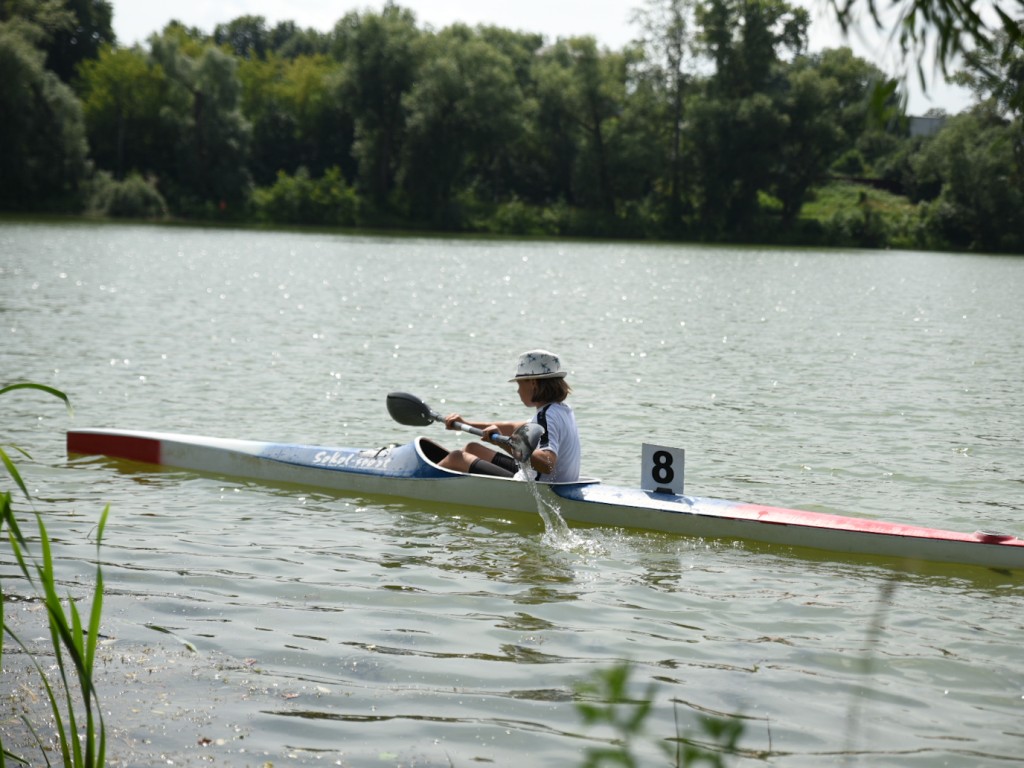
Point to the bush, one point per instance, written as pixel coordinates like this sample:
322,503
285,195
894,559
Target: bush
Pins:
517,218
299,199
132,198
850,163
857,227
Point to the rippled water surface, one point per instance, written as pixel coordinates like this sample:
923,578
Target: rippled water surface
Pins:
252,625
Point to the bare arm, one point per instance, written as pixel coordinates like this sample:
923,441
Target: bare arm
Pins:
542,460
502,427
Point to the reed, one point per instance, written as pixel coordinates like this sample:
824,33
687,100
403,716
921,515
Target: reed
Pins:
80,735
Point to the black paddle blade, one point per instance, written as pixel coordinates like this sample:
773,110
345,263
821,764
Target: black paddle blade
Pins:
410,410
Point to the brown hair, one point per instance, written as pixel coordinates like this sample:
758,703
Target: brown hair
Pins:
550,390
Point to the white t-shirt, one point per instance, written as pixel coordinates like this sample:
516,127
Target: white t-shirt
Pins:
562,438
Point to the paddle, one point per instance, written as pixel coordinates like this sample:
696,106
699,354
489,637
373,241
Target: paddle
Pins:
410,410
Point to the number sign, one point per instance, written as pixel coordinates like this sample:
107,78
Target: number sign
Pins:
662,469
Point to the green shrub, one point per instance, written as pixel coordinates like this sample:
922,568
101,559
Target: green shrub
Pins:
300,199
132,198
517,218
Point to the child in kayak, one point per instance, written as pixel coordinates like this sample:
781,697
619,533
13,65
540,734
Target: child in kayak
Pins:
556,459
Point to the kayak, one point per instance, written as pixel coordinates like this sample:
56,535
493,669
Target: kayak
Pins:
411,472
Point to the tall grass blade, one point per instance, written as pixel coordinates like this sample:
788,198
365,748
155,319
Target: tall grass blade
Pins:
13,472
39,387
74,643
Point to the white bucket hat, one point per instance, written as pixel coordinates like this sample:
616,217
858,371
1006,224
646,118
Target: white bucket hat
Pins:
538,364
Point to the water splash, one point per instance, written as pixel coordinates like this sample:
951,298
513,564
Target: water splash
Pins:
557,532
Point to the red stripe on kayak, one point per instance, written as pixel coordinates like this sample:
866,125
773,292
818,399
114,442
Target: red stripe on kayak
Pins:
142,449
781,516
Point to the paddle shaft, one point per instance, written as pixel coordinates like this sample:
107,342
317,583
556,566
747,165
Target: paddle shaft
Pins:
497,438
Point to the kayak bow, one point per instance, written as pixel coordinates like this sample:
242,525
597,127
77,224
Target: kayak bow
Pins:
410,471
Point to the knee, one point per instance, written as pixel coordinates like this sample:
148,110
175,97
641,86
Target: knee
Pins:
479,451
457,460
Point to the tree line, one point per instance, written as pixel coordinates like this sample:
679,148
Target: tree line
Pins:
716,124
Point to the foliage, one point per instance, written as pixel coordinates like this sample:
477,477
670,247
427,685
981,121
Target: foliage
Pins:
124,92
207,133
132,198
43,148
381,55
950,28
461,114
668,36
518,218
979,207
297,115
811,139
715,109
89,29
300,199
81,742
605,701
855,215
996,74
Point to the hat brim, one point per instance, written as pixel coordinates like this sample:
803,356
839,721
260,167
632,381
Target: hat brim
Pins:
555,375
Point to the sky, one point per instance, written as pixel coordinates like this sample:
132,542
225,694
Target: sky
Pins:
607,20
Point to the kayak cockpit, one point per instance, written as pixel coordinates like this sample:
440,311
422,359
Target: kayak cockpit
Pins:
433,453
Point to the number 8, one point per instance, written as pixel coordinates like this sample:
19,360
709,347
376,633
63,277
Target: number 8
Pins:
662,471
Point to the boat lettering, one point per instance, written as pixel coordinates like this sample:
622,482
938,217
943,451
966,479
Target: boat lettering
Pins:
350,460
331,459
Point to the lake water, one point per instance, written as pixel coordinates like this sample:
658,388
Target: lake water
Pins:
252,625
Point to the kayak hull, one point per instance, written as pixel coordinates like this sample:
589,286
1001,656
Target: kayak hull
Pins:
407,471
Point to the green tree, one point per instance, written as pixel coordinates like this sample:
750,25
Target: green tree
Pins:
380,52
517,172
288,40
996,75
735,144
649,175
597,95
122,93
462,114
68,31
91,28
202,113
274,124
736,128
979,206
298,116
39,19
581,92
811,140
247,37
827,103
746,39
43,149
667,37
945,29
857,81
556,136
